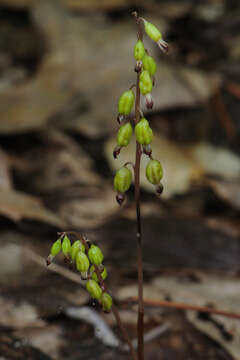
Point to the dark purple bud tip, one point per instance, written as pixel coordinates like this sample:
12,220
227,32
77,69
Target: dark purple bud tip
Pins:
138,66
120,118
120,197
67,259
149,101
163,45
116,151
48,260
147,150
159,189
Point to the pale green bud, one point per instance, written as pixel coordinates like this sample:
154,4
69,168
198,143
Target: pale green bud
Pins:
76,247
82,262
124,134
139,50
145,82
143,132
56,247
95,255
154,172
106,301
152,31
66,246
149,64
94,275
94,289
122,179
126,102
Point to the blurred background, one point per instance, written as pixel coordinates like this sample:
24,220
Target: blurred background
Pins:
63,66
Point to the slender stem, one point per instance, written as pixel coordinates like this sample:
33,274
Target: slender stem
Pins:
140,325
103,285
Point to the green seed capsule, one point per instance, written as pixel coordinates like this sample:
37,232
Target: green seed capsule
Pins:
56,247
126,102
66,245
95,255
106,301
143,132
122,179
76,247
145,82
139,50
94,289
149,64
154,172
152,31
82,262
124,134
94,275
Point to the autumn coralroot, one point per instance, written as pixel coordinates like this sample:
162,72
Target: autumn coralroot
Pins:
145,67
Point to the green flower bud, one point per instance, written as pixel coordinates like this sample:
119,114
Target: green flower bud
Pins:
82,262
149,64
95,255
66,246
94,275
145,82
124,134
152,31
106,301
56,247
143,132
76,247
94,289
122,179
154,172
126,102
139,50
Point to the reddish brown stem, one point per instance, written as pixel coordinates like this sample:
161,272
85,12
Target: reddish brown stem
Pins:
140,325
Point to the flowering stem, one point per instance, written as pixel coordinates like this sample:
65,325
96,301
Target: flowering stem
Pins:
104,287
140,325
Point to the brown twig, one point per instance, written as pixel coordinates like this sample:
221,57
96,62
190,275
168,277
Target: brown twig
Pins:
140,326
182,306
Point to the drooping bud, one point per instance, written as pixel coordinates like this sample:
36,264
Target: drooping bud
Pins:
82,262
143,132
152,31
94,275
126,102
154,172
95,255
145,82
139,50
76,247
163,45
149,101
124,134
56,247
120,197
94,289
149,64
66,246
106,301
122,179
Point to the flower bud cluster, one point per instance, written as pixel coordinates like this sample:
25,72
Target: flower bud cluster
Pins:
146,68
88,261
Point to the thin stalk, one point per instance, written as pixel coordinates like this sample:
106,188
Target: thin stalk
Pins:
140,323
